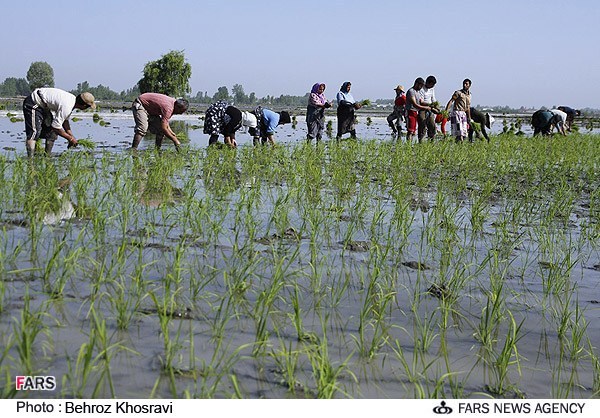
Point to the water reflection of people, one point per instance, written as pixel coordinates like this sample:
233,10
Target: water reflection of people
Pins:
152,112
151,182
46,197
47,111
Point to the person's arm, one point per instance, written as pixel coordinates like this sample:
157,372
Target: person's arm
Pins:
413,102
230,140
453,98
66,133
166,128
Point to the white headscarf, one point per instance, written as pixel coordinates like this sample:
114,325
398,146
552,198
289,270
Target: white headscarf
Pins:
248,121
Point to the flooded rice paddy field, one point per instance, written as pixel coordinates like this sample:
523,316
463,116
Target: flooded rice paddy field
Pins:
368,269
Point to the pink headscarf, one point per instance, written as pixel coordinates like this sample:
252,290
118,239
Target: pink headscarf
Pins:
316,97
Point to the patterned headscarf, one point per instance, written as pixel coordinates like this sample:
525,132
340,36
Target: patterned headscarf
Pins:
315,96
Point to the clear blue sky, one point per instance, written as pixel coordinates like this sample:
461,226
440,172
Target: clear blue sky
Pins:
516,52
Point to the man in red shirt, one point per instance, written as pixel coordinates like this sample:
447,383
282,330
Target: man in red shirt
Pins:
152,111
398,112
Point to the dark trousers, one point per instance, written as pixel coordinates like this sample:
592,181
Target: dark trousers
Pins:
38,124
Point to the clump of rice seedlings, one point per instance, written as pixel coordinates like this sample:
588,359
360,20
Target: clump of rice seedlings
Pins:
325,372
365,102
499,362
287,360
372,319
26,330
475,126
86,143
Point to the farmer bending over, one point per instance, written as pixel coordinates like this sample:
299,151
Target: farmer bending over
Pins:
152,111
47,111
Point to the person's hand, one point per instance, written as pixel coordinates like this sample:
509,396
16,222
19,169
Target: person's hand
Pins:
327,104
72,143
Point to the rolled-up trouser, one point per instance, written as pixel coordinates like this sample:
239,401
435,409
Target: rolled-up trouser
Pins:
38,122
145,122
398,116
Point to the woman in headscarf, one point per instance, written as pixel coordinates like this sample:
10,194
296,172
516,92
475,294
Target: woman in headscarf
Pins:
267,121
345,111
315,112
226,120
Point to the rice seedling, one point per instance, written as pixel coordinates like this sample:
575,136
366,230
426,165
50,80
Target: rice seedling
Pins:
498,362
27,330
326,374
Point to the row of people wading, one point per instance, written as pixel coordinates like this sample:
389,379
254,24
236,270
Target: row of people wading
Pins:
47,111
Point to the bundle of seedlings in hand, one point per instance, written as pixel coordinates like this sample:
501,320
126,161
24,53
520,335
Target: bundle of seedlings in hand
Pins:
475,126
86,143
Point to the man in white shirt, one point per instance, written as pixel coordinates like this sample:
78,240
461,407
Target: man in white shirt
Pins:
560,120
46,112
427,117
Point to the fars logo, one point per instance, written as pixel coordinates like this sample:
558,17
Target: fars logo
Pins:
442,409
36,382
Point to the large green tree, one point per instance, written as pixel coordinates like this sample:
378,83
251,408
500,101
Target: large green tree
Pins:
40,74
169,75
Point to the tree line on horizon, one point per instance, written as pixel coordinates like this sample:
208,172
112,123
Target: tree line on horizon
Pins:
170,75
